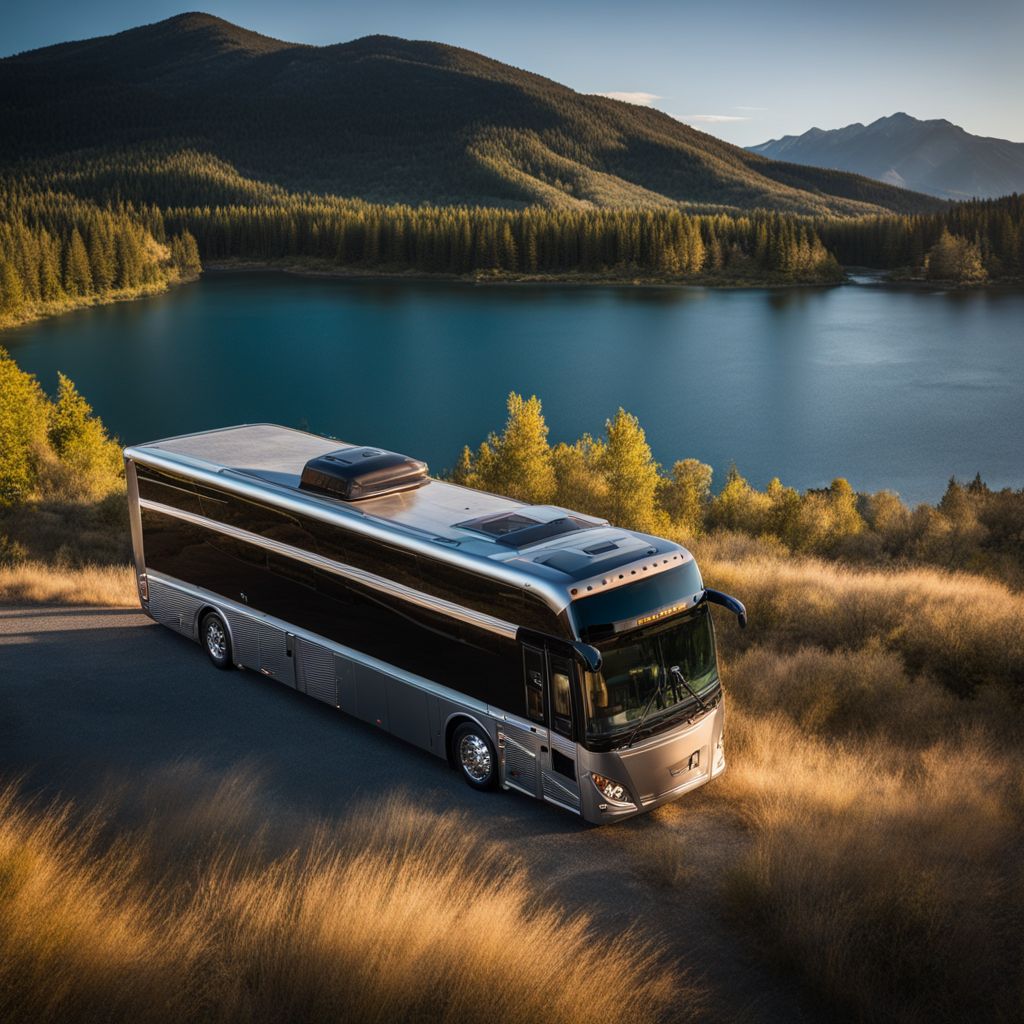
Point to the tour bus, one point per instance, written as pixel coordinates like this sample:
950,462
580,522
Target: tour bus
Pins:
535,648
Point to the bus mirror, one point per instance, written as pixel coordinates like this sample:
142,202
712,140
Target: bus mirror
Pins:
590,656
736,607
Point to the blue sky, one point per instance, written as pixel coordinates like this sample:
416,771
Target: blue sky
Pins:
746,70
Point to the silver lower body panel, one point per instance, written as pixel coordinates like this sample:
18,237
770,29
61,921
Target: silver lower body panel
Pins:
415,709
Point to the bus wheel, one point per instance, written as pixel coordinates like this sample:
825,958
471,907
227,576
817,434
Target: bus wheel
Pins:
216,642
475,756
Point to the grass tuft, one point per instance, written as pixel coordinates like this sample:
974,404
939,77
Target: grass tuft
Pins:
396,913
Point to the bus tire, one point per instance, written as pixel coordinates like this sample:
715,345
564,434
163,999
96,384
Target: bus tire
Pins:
475,757
216,641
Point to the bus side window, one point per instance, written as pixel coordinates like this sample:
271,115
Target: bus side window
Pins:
561,696
533,672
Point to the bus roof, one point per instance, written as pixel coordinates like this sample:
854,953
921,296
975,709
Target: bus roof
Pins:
566,555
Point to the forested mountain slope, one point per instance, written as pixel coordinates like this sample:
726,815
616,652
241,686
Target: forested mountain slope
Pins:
389,120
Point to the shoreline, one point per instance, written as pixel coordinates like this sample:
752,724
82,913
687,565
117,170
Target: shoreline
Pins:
879,279
56,309
312,270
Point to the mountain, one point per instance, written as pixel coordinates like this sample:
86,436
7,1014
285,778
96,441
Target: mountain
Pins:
390,120
935,157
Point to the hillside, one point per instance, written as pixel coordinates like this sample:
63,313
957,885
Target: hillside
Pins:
390,120
935,157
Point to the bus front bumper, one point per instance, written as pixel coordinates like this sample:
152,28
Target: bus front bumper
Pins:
661,769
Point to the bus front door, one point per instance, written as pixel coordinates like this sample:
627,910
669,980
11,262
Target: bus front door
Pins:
559,772
540,754
525,739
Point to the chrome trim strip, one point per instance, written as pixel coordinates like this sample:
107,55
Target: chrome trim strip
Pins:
472,718
368,579
670,794
350,519
367,660
577,809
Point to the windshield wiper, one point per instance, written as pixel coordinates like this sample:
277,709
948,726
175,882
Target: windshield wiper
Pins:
656,692
677,672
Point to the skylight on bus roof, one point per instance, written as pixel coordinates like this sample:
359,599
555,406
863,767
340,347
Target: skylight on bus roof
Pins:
499,525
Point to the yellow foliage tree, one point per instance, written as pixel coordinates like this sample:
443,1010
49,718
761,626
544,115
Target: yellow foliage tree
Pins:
516,462
738,506
579,483
632,475
91,461
23,421
685,495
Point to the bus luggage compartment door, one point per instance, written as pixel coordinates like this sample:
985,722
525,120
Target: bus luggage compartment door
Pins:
277,653
521,766
316,673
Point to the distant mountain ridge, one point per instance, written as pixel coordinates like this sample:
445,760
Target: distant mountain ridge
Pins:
392,120
935,157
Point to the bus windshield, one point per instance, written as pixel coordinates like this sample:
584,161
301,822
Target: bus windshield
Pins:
635,664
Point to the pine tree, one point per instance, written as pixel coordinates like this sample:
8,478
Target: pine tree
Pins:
185,254
101,256
518,461
22,431
90,459
50,286
631,474
11,293
77,275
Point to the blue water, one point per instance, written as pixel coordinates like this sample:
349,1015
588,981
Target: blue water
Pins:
891,388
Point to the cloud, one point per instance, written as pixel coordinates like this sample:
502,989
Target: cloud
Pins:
641,99
709,118
740,107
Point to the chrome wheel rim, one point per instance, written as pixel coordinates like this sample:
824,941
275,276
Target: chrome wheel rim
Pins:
475,757
216,640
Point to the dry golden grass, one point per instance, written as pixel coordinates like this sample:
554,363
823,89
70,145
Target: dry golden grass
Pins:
964,631
27,583
889,879
876,760
395,914
884,806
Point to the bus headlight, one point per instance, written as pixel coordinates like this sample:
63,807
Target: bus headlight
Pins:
610,789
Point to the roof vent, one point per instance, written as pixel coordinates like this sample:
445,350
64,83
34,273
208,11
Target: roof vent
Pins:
353,474
520,530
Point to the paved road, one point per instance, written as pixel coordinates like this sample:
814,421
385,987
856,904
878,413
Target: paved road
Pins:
88,696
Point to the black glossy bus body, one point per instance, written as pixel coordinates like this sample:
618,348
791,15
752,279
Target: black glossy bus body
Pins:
424,641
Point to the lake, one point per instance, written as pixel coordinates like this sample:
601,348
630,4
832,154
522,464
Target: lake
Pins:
892,388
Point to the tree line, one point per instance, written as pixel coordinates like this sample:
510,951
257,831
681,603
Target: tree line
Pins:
116,226
57,251
968,242
615,476
661,244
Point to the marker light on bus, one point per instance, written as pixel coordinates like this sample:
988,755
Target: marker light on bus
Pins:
610,789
